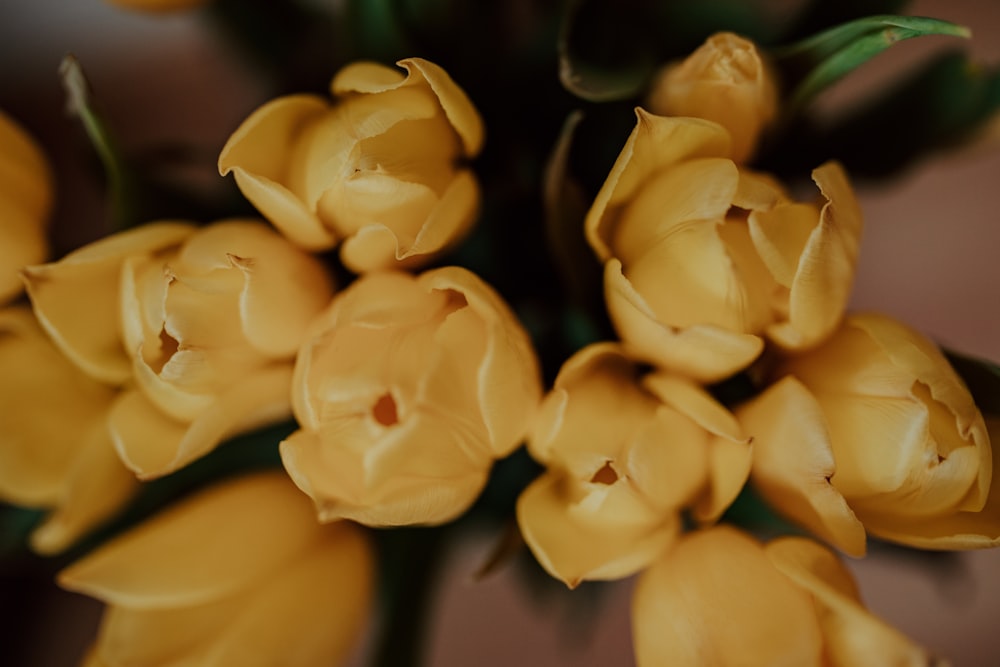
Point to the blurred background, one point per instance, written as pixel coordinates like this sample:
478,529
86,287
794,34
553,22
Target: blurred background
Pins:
929,257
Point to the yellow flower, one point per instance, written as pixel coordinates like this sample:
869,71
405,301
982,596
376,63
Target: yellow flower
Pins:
25,202
239,574
721,598
875,432
726,81
381,169
204,322
703,258
407,388
624,454
55,449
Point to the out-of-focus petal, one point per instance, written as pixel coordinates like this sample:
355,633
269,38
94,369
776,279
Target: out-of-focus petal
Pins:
793,463
202,549
98,487
48,407
715,599
852,635
77,298
591,531
729,465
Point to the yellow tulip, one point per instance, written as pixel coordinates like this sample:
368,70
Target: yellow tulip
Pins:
25,202
204,323
381,169
625,454
704,258
407,388
726,81
55,449
239,574
719,598
874,432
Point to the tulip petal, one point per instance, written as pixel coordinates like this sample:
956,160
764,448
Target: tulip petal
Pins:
285,211
38,451
509,378
704,353
365,77
696,403
575,538
449,221
729,465
77,298
202,549
99,486
25,176
24,243
456,104
152,444
780,235
308,612
715,599
852,635
655,143
793,463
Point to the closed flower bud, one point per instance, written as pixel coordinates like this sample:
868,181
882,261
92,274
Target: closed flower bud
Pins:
874,432
25,203
703,259
238,574
205,322
381,169
407,388
721,598
55,450
625,454
726,81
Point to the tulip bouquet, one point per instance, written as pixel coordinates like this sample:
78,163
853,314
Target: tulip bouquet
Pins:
573,276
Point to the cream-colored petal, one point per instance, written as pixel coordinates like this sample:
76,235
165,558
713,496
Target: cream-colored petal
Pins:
715,599
365,77
202,549
285,211
780,235
575,538
449,221
456,104
48,406
793,463
655,143
852,636
704,353
99,486
261,398
308,612
77,298
509,376
666,459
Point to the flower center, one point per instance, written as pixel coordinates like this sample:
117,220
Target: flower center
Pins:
606,475
384,410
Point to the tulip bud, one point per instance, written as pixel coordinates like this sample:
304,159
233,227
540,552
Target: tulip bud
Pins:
725,80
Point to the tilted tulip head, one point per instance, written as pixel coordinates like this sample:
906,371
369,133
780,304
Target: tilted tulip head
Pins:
407,388
874,432
238,574
383,169
703,259
203,323
25,202
726,80
719,597
55,449
625,453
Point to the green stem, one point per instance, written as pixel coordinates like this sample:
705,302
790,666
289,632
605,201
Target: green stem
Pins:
410,564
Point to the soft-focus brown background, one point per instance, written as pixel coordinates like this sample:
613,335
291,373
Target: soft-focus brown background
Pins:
930,257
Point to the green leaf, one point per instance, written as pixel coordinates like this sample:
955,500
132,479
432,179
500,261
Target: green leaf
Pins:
829,56
982,378
79,103
605,50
